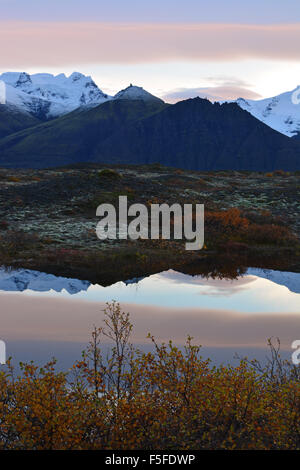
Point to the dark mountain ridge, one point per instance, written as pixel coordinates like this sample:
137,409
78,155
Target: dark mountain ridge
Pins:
200,135
73,137
193,134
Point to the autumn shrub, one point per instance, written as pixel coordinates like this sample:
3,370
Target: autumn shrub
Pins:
255,228
14,179
281,173
3,225
224,225
108,173
170,398
262,217
270,234
14,241
230,219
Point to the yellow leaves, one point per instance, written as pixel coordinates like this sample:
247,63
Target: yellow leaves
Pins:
169,398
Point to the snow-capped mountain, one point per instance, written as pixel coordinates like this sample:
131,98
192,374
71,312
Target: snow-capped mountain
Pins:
45,96
135,93
281,112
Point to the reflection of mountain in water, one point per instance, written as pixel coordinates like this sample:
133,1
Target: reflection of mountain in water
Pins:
23,279
283,278
134,280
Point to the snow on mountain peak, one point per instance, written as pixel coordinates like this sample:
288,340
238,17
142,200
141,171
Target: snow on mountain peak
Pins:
133,92
45,95
281,112
24,81
75,76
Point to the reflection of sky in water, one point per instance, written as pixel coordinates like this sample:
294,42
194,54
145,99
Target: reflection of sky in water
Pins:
172,289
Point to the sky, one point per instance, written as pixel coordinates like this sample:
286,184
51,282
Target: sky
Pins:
173,49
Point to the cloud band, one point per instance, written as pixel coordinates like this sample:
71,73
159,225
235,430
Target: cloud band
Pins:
55,44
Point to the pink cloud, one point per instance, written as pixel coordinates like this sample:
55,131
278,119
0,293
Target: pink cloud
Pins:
27,44
213,93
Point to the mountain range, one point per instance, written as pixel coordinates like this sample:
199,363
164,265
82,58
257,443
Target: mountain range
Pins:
281,112
45,96
20,280
57,120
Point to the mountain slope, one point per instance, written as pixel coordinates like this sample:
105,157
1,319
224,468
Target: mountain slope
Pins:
46,96
196,134
12,120
192,134
72,138
281,112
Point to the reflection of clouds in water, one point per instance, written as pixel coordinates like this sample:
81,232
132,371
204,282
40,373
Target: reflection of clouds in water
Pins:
25,318
247,293
230,313
215,287
218,287
222,291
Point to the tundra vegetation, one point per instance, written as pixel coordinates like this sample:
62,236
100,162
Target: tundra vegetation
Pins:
48,220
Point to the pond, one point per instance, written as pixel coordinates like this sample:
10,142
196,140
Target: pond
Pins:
44,316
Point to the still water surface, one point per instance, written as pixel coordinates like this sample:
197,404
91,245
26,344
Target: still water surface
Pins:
44,316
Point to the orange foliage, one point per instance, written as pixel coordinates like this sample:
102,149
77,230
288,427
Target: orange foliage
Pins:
270,234
230,219
231,225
